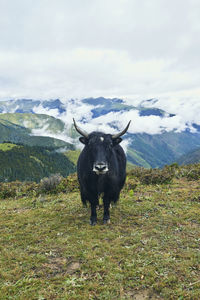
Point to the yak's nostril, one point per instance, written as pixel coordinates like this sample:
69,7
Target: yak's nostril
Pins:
100,167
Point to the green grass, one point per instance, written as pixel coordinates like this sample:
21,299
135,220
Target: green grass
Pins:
7,146
137,159
73,155
48,250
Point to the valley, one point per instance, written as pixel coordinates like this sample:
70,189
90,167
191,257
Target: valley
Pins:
22,124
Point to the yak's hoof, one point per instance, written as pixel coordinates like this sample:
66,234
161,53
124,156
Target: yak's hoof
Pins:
106,221
93,222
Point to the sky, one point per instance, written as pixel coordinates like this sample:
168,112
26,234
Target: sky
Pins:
130,49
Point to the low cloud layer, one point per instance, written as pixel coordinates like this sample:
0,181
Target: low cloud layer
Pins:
184,117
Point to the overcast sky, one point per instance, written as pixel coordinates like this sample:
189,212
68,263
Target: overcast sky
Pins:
124,48
131,49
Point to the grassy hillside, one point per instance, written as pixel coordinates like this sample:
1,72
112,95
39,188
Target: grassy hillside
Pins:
26,163
190,158
134,157
150,250
160,149
73,155
35,121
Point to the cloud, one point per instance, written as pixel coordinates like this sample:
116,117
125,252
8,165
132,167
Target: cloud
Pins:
139,124
114,122
186,106
42,110
119,48
43,130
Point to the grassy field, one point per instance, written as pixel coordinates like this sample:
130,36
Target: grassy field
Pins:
150,250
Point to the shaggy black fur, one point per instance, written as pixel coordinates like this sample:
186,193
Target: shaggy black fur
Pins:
101,170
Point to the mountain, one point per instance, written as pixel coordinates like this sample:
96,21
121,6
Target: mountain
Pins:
11,132
26,163
191,157
28,105
101,106
160,149
147,150
35,121
104,106
27,157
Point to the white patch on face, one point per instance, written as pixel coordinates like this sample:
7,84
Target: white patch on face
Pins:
99,170
101,139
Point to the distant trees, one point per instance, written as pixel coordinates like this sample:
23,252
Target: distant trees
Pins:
27,163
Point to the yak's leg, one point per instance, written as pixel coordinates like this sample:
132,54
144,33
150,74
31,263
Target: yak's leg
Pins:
106,215
113,196
93,218
83,199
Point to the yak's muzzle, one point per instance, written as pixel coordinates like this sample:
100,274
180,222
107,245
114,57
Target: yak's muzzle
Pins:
100,168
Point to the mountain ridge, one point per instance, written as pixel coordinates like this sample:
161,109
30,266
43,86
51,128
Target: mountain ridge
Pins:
147,150
190,157
14,133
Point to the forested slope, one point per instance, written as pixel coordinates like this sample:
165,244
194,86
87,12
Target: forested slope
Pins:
26,163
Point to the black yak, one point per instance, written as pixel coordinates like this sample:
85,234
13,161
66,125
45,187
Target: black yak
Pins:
101,169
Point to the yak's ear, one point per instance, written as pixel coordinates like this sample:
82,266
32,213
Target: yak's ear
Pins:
116,141
83,140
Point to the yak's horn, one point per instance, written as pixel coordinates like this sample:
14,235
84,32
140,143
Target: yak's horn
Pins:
82,132
115,136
